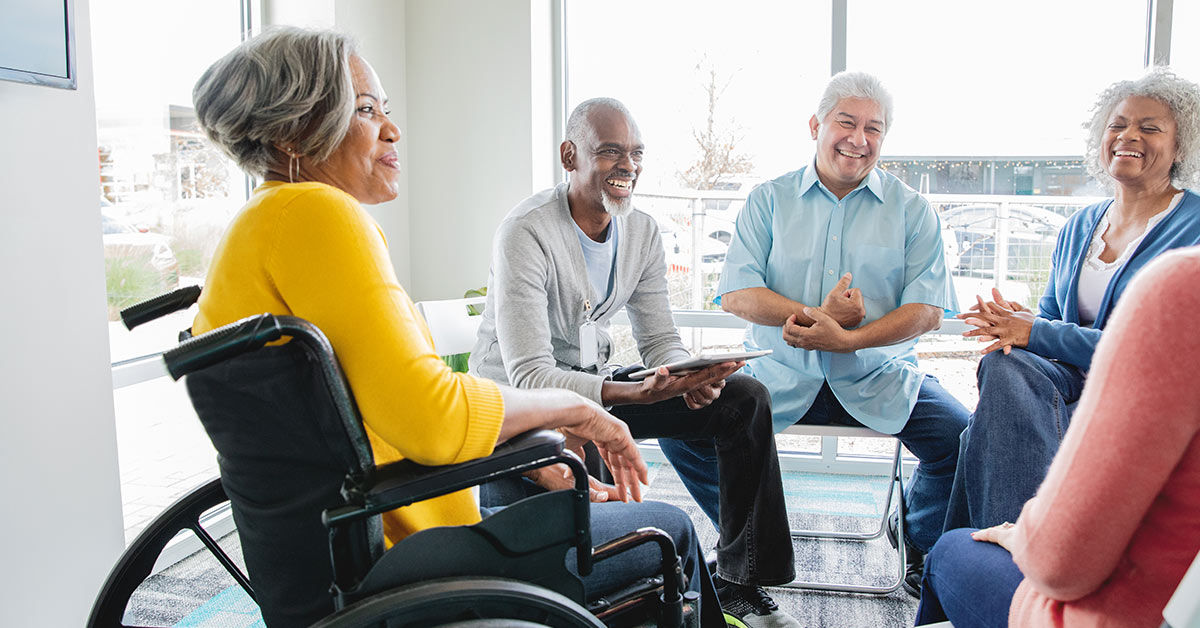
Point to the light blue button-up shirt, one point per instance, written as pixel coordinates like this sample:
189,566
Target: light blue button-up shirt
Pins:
797,238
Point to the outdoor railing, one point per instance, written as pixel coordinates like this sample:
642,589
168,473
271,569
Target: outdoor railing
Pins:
988,239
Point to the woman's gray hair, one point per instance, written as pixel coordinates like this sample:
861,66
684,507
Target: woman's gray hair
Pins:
286,87
1180,95
856,85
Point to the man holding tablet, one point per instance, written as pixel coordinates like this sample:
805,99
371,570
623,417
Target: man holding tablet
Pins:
564,261
839,267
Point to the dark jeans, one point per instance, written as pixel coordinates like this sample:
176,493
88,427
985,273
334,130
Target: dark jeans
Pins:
725,455
969,582
1025,406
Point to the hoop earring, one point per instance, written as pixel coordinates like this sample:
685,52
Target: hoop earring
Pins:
293,163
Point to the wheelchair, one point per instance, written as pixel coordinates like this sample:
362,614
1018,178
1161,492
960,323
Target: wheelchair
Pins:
297,470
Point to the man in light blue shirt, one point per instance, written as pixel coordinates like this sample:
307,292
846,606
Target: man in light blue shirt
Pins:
839,267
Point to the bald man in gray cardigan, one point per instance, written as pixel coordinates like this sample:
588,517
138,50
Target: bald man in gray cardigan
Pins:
567,259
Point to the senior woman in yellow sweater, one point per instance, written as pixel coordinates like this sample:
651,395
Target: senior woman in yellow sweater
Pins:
305,112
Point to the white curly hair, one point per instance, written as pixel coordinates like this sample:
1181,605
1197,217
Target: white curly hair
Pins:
1180,95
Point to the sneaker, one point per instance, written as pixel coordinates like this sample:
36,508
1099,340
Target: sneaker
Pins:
748,606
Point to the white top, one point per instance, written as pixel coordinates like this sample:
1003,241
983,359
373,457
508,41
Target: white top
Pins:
1096,273
600,259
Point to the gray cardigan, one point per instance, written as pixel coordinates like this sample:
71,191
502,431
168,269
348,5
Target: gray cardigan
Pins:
537,287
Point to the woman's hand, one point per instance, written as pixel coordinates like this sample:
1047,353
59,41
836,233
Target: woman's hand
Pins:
580,420
559,476
615,444
1003,323
1001,535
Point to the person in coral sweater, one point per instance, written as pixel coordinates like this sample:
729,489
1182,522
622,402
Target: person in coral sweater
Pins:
1115,525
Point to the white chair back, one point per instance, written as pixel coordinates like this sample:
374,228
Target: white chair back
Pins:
1183,611
451,325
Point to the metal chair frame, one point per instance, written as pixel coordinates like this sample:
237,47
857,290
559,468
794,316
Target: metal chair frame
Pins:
895,486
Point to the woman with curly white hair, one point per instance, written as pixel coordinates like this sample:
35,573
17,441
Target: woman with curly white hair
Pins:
1144,144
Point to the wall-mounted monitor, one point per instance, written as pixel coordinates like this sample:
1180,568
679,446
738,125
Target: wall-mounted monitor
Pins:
37,42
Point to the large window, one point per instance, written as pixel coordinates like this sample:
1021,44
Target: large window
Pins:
164,195
989,106
989,110
1185,48
721,94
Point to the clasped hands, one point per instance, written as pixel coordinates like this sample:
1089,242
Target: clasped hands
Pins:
1003,323
831,325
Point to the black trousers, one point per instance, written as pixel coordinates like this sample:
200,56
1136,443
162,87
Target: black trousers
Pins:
755,545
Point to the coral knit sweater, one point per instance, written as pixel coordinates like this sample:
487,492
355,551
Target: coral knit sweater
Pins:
1116,523
310,250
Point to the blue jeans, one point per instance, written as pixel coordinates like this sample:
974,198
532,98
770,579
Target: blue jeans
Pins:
614,519
1025,406
931,434
725,455
969,582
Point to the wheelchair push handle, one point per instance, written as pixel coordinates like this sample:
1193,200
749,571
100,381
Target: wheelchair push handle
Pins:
223,343
159,306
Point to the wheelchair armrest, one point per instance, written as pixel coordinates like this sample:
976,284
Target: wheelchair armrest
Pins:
405,482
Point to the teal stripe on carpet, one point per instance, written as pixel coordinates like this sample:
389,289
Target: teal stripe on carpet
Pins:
230,608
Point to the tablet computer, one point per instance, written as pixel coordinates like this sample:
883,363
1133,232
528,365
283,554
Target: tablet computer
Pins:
700,361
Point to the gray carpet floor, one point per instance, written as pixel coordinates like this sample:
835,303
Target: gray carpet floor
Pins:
197,592
823,502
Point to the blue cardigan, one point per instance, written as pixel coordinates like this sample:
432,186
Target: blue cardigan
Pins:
1057,332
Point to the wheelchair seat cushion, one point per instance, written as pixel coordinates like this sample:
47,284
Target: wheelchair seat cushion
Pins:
283,455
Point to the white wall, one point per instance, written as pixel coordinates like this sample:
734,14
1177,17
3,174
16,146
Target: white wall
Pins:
471,78
60,527
379,27
470,83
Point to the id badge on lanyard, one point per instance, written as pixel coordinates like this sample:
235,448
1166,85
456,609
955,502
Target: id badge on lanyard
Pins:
589,339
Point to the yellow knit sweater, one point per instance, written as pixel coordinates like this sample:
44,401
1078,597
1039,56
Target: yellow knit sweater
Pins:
310,250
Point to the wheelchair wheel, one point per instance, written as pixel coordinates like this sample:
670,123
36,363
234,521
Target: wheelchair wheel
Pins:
465,602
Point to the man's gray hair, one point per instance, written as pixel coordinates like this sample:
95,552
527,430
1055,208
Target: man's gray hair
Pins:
856,85
578,123
288,86
1180,95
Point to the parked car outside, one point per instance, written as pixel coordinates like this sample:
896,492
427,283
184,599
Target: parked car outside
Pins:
1031,235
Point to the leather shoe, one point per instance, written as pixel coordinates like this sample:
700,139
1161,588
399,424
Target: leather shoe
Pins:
914,563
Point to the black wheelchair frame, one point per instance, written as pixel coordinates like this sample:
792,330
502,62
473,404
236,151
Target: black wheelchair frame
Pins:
500,571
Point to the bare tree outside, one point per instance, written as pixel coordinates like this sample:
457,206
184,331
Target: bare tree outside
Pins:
717,141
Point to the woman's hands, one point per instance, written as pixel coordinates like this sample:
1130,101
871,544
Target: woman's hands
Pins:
1001,535
1006,324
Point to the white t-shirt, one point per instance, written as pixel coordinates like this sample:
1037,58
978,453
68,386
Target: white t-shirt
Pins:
1096,274
600,259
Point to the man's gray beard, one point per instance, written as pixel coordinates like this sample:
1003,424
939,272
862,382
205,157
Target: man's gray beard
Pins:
617,207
